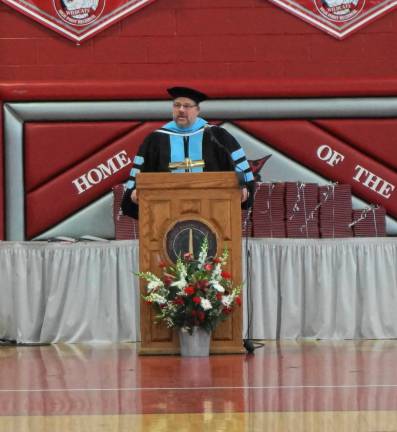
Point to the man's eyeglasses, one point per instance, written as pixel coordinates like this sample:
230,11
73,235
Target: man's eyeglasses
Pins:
179,105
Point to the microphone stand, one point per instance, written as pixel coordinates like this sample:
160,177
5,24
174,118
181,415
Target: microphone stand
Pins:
248,343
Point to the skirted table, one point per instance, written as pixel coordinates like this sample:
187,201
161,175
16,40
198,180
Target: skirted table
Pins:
297,288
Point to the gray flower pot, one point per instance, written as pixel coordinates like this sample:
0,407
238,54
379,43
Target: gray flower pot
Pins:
196,344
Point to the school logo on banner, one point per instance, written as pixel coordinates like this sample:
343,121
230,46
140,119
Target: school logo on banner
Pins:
77,19
79,12
339,18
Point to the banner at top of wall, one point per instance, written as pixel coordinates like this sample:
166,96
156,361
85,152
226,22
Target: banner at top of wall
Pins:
339,18
77,19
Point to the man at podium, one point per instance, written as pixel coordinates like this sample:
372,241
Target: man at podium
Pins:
188,144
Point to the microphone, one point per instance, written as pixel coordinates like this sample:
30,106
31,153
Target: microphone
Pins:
239,172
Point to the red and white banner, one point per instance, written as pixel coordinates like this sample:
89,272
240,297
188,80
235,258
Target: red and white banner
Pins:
339,18
77,19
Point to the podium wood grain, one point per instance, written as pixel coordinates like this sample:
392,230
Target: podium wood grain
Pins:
165,199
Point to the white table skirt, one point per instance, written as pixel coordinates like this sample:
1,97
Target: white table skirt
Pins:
60,292
87,292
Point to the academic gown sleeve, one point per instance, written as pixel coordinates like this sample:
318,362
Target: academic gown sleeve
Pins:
235,160
142,162
128,207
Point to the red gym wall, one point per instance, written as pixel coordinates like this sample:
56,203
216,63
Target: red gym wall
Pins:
228,48
198,39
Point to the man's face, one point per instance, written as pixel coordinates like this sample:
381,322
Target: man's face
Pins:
185,111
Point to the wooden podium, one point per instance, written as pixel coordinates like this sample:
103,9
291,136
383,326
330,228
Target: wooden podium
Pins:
170,204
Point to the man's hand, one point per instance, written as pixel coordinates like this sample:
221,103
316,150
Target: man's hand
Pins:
244,194
134,197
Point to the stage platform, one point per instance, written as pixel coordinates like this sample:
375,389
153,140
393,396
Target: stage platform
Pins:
298,288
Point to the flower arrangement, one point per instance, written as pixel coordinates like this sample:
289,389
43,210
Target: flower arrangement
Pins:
193,292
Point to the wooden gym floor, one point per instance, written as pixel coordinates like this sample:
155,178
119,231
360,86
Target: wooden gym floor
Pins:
297,386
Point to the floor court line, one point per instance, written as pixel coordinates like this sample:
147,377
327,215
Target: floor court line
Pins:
201,388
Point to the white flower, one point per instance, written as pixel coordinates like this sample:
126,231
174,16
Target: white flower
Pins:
227,300
156,298
180,284
205,304
181,269
216,273
169,322
203,253
154,281
217,286
153,284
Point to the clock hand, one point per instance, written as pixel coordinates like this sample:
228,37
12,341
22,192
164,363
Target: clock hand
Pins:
191,241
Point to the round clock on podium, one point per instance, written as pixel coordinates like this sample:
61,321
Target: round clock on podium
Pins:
187,236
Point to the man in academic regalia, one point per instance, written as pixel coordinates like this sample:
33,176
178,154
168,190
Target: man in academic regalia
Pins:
188,136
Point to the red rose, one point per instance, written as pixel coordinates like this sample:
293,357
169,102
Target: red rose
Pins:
203,284
218,296
178,300
226,310
226,275
238,300
162,264
201,315
189,290
167,280
196,300
217,260
207,267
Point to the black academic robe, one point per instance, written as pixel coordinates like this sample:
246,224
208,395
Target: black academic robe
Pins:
217,147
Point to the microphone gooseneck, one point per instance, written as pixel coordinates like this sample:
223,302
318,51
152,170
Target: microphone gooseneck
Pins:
239,172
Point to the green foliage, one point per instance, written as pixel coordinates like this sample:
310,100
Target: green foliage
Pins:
193,292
